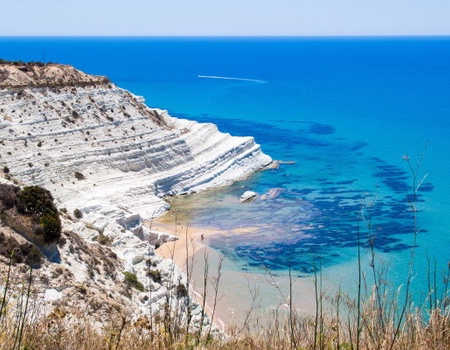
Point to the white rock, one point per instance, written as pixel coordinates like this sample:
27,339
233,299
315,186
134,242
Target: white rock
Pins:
248,196
52,294
137,259
130,162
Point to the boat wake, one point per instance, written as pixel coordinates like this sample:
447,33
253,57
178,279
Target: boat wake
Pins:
232,78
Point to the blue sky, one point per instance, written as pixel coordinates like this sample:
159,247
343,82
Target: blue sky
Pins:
225,17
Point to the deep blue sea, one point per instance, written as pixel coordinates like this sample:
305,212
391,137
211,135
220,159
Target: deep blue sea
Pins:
347,111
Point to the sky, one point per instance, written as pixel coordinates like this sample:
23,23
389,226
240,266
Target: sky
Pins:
224,17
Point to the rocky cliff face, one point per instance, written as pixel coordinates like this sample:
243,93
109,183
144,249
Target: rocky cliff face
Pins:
126,155
103,153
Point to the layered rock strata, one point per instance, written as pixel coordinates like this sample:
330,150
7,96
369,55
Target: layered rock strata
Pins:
104,154
100,148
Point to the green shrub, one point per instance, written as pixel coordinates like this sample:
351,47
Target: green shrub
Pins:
132,281
103,239
181,291
6,169
7,196
26,253
155,275
31,255
38,203
78,213
79,175
35,200
51,224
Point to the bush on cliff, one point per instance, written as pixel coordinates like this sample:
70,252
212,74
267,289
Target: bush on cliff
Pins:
132,281
35,202
52,225
78,213
19,253
8,195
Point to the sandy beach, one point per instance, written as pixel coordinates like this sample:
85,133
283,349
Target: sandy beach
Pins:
242,298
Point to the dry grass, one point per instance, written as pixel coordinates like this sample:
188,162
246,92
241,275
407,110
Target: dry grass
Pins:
24,327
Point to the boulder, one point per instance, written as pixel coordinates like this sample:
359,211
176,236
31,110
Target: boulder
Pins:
248,196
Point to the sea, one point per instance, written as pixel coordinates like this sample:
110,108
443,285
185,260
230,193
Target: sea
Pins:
360,126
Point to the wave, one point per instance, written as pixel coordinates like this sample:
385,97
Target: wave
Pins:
232,78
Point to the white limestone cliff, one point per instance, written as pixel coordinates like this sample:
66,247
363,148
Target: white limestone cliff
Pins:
99,149
129,155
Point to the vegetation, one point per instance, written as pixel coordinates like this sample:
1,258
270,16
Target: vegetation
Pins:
335,331
35,203
21,63
51,223
155,275
26,253
132,281
78,213
79,176
8,195
181,291
103,239
34,200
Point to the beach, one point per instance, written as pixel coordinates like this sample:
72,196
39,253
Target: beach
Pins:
243,299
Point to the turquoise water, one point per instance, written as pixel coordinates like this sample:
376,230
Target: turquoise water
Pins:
346,111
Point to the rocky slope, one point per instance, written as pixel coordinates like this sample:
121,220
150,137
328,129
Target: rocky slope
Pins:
107,157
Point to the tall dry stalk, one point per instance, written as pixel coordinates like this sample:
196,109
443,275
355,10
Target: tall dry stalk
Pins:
292,313
415,185
377,273
317,291
204,293
22,312
189,270
358,301
215,283
6,287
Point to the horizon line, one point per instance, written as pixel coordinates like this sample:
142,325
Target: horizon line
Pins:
234,36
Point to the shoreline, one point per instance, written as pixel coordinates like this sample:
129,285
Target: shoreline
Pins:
243,299
183,251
